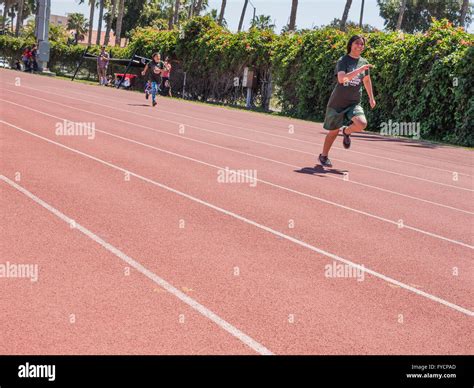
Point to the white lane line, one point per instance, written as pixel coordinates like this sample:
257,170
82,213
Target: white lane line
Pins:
251,343
266,159
257,225
289,120
273,185
232,136
89,95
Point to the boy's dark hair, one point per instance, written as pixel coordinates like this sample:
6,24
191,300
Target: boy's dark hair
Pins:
154,55
352,40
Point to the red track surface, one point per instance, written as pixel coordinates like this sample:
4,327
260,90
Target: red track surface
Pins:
278,235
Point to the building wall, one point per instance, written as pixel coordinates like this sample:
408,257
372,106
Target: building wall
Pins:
58,20
62,21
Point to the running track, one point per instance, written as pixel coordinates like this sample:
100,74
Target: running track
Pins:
138,241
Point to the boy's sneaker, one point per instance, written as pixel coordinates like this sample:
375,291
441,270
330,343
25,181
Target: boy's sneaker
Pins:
324,160
346,141
154,103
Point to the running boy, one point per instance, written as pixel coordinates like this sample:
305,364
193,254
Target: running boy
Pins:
153,71
344,110
147,89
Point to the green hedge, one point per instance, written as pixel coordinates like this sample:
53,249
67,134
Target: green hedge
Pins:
423,78
210,55
413,79
63,57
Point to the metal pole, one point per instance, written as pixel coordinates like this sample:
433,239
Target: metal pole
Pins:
80,63
184,84
128,68
42,32
249,98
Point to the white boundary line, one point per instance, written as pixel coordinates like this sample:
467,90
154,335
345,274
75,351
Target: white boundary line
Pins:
259,157
274,185
251,343
306,124
272,134
232,136
259,226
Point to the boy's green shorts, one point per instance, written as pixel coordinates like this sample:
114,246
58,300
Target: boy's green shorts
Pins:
336,118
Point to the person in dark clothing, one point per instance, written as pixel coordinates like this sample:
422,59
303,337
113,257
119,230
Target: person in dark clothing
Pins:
165,89
34,56
26,58
153,71
344,110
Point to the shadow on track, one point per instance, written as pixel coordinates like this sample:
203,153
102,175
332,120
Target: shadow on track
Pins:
319,170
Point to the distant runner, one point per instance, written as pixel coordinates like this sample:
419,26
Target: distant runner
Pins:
147,89
153,71
344,110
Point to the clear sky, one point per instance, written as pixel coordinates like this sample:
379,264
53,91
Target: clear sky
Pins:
310,12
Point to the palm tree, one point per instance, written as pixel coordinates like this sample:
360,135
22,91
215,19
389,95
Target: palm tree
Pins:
213,14
176,11
221,15
19,16
101,16
263,22
78,23
345,14
109,22
242,17
294,9
361,13
198,8
4,17
12,15
191,9
400,15
464,7
91,21
8,10
118,29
